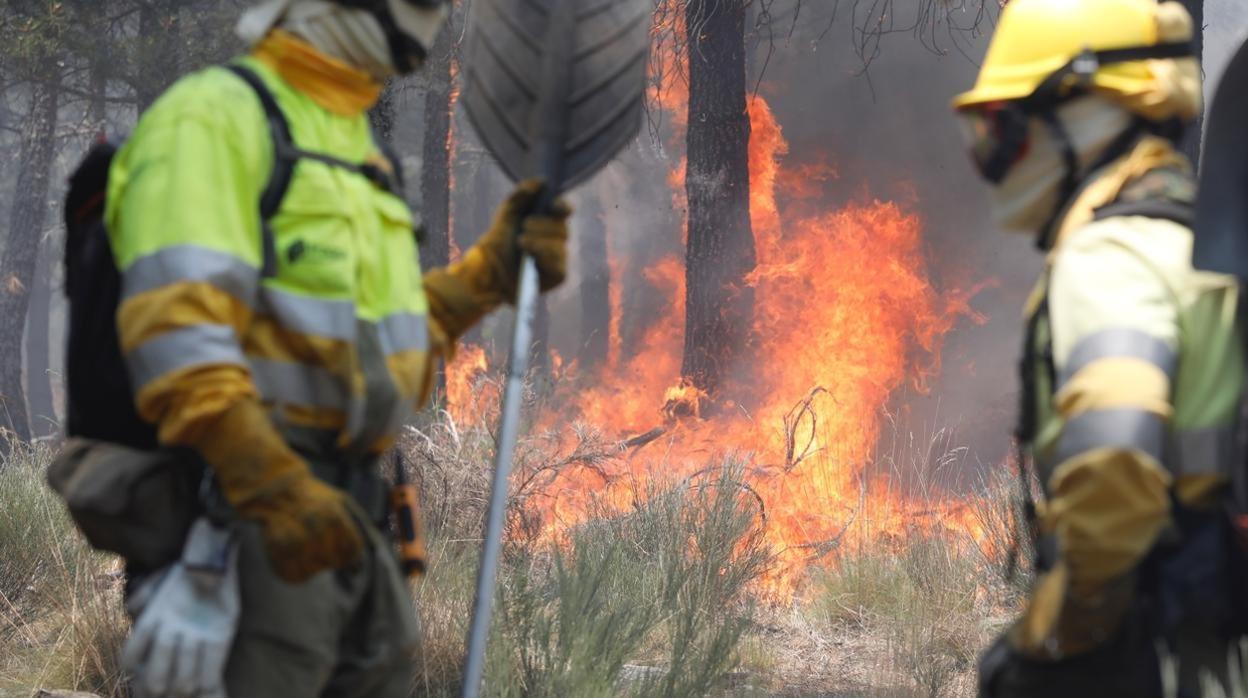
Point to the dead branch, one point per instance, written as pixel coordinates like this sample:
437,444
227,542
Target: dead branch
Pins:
792,421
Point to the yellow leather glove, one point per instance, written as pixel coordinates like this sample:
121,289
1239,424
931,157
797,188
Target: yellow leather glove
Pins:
308,526
545,238
488,273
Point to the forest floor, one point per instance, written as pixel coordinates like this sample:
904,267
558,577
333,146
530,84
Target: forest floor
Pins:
674,596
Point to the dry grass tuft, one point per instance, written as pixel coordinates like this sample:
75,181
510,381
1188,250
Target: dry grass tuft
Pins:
61,620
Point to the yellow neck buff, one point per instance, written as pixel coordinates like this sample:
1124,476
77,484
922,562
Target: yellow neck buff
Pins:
327,81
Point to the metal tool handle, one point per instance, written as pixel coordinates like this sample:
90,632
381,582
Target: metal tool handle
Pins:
508,433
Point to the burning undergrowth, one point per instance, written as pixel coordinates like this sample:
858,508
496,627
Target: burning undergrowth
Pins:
669,568
846,316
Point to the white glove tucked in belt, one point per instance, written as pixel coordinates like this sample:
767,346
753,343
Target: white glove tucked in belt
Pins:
186,616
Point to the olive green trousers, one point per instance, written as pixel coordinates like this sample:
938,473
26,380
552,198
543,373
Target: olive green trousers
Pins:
341,634
349,633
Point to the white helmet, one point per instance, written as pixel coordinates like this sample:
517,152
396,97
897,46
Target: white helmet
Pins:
407,28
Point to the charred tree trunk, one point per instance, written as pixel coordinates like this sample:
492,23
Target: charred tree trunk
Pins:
595,288
94,13
21,250
159,32
1192,138
719,304
435,174
542,363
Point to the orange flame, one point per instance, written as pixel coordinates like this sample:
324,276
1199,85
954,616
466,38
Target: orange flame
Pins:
845,315
469,389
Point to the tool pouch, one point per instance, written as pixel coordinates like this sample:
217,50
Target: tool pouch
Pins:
138,504
409,530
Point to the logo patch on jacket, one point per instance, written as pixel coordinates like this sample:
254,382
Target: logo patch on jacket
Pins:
312,252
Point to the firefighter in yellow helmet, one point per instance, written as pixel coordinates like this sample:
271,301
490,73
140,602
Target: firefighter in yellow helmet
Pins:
287,348
1132,368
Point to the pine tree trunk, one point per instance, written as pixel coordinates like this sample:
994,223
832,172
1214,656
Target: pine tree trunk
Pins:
43,419
21,250
97,73
719,305
159,34
435,174
542,364
595,290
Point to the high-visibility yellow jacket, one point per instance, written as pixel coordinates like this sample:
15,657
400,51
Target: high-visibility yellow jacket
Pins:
1137,365
337,343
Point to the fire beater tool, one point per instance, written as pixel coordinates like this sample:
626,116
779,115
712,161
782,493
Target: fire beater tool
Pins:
554,89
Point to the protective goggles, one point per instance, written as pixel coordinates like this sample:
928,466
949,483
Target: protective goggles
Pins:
999,135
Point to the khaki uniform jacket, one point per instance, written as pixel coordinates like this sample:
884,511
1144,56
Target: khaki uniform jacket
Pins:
1137,368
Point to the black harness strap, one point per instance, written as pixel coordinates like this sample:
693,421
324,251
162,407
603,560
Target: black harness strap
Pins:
1182,213
1119,147
283,164
286,155
1026,517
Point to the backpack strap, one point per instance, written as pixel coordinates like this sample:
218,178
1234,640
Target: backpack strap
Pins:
286,155
283,163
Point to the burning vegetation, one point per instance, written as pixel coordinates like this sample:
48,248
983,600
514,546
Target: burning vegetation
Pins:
843,314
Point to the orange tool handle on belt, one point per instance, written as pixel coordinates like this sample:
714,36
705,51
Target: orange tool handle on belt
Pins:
406,503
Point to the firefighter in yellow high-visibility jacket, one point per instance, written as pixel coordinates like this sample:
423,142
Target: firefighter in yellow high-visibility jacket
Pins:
1133,370
290,375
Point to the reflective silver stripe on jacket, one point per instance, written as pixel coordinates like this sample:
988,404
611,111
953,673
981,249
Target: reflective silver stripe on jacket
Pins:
328,318
317,317
198,345
194,264
288,383
1120,343
1133,429
404,332
1211,451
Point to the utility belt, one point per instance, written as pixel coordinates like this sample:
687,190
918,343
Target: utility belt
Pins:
357,474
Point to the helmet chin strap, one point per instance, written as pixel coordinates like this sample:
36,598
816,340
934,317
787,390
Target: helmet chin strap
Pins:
1070,180
1075,177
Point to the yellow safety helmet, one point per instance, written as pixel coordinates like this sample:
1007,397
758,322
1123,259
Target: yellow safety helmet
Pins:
1135,52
